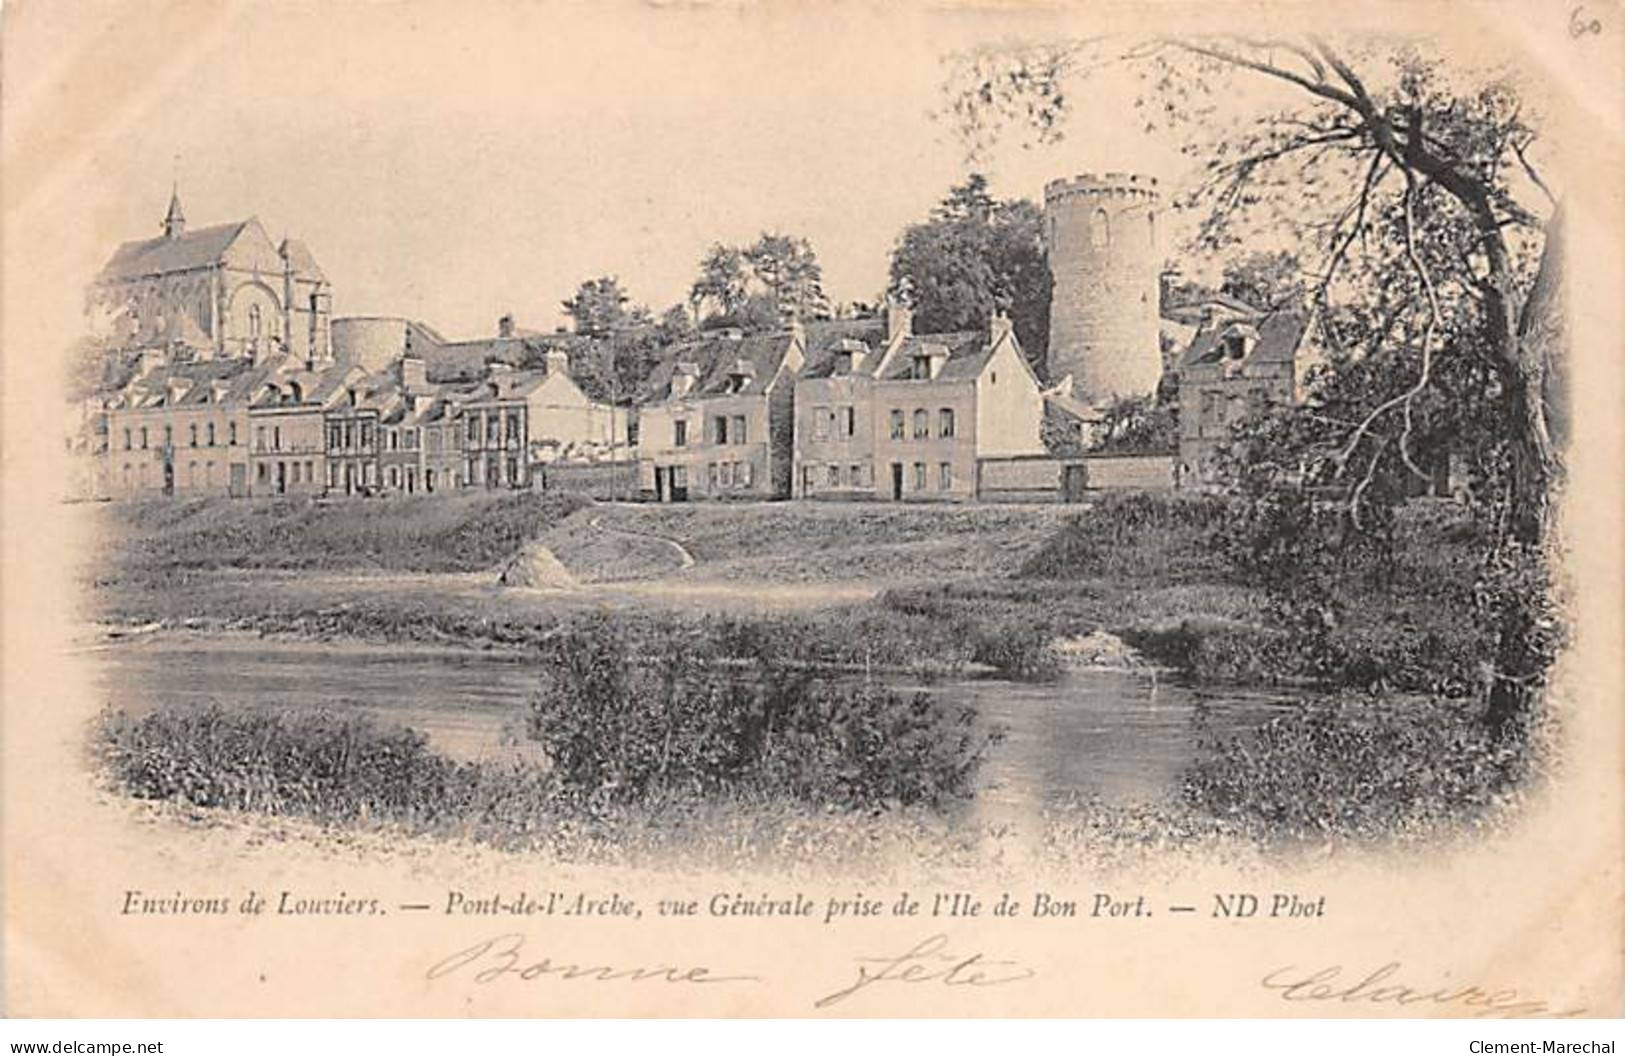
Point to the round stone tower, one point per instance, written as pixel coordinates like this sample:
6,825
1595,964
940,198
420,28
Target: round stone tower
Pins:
1102,233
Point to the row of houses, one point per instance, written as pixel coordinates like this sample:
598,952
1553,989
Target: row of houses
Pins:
274,426
246,386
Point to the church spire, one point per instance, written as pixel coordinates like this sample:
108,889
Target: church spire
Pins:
175,220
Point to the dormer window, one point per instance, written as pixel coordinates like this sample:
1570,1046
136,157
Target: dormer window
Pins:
922,368
737,382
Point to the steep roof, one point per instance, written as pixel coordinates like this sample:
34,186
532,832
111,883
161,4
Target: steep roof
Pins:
300,260
968,352
162,255
1278,336
718,358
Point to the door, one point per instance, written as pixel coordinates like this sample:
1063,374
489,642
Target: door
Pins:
1075,479
897,481
239,480
679,484
660,483
281,478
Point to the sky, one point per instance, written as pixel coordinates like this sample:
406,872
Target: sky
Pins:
455,163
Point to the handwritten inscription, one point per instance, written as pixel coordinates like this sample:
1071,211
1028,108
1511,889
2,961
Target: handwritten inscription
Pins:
1384,987
503,957
1583,25
929,962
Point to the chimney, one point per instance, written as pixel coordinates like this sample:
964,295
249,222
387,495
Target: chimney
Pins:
413,373
899,320
683,377
505,326
556,361
998,328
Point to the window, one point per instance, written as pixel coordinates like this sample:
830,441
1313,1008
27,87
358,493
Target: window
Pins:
711,476
231,433
493,427
409,437
259,438
513,428
310,471
922,424
276,437
747,473
849,421
473,429
739,429
169,436
857,475
394,476
896,424
366,435
332,475
394,439
993,379
945,422
679,433
1100,229
335,438
211,434
349,436
260,472
369,473
945,476
254,321
126,439
820,423
727,474
192,434
919,476
513,470
294,471
721,432
428,480
834,475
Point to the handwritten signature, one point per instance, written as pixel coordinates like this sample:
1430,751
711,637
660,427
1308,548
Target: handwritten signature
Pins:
930,962
1378,988
503,956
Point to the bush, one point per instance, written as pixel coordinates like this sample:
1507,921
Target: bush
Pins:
1137,535
707,710
1361,768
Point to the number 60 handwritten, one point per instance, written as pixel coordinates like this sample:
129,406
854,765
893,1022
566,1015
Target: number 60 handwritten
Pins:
1580,26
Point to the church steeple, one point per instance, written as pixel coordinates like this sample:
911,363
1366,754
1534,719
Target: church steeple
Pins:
175,220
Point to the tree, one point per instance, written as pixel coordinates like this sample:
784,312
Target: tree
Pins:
599,307
722,285
1435,245
973,257
788,270
1270,281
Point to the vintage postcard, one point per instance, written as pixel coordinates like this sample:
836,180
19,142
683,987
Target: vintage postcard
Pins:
812,509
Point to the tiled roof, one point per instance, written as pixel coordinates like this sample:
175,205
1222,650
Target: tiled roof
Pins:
161,255
1278,336
968,352
718,358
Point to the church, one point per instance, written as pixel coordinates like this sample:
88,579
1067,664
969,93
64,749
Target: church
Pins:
221,292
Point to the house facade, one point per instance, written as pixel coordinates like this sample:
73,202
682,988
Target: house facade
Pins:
911,421
1236,366
718,421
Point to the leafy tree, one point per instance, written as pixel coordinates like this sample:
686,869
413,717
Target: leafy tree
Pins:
599,307
1434,245
723,282
1269,281
788,270
973,257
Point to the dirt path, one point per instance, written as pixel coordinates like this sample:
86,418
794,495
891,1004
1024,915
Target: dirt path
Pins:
684,558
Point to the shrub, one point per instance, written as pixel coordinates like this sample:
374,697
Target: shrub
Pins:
1361,768
1137,535
626,714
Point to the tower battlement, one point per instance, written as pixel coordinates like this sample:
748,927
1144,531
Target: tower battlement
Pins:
1104,184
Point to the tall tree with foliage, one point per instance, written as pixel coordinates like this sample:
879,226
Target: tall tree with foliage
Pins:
1408,188
759,286
788,271
600,307
723,282
973,257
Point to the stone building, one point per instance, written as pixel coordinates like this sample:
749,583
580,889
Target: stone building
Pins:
717,421
1101,233
226,291
1237,364
517,419
913,419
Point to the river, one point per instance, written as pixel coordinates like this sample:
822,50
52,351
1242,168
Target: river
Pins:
1121,736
